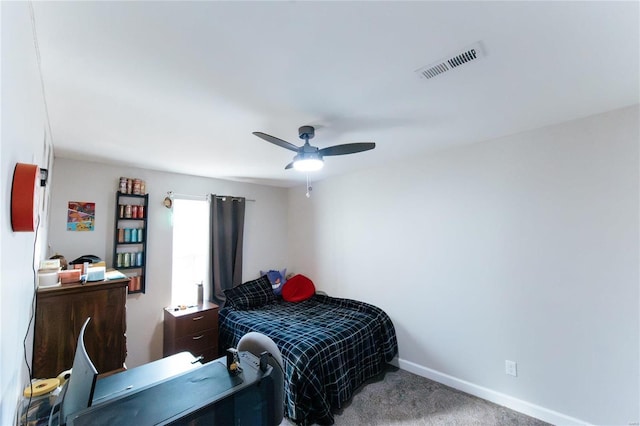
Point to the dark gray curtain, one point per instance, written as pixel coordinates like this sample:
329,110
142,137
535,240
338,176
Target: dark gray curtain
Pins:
227,229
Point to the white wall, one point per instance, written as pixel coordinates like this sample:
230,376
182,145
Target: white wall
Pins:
522,248
264,236
23,136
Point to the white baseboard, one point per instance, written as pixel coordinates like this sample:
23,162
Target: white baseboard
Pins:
516,404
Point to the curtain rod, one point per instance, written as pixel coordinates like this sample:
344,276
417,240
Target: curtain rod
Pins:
204,197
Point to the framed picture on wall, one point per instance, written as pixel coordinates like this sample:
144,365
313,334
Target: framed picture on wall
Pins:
81,216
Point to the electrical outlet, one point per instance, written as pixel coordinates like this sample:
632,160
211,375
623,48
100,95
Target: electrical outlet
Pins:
511,368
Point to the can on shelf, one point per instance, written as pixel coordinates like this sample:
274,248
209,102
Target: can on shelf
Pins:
134,212
134,284
143,187
119,260
127,235
140,212
127,211
126,260
121,235
136,186
123,185
139,258
121,211
129,186
139,235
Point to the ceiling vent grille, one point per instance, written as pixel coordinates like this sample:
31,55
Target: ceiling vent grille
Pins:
470,54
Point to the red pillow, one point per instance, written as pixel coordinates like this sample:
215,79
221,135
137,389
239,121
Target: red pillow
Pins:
298,288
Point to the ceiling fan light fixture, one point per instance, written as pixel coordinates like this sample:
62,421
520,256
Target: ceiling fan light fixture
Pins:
308,164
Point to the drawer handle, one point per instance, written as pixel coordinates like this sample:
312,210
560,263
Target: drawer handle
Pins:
198,318
198,337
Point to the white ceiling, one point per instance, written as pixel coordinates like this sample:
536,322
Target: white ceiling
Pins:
180,86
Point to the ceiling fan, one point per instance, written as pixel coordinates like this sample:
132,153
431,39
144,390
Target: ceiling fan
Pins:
308,158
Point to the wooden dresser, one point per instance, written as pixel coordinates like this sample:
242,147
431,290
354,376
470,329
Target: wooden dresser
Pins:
60,313
194,330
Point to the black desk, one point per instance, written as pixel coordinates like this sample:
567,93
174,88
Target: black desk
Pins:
174,391
141,377
128,381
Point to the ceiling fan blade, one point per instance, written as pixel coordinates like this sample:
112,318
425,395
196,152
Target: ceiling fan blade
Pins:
276,141
289,166
348,148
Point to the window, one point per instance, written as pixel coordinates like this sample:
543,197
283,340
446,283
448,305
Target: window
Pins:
190,249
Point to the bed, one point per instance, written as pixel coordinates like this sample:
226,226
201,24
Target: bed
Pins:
329,346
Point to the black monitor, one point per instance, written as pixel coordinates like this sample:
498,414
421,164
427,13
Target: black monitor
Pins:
77,392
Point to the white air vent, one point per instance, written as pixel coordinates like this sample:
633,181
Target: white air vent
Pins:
465,56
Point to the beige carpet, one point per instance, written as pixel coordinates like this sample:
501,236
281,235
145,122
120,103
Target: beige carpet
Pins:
401,398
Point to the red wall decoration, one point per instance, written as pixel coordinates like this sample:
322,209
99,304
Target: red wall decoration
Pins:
24,197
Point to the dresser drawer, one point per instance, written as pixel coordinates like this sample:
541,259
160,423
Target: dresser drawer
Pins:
207,355
198,321
197,342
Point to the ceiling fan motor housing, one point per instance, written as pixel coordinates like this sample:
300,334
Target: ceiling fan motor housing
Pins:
308,149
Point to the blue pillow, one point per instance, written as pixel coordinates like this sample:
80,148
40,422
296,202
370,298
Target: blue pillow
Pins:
251,294
277,279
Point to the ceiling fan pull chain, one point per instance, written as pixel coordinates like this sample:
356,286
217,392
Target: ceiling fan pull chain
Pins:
309,188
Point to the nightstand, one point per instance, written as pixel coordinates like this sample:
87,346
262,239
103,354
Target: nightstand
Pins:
194,330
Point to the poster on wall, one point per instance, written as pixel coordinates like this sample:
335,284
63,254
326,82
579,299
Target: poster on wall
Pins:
81,216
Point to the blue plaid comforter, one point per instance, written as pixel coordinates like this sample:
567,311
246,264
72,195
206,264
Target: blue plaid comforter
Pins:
329,346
